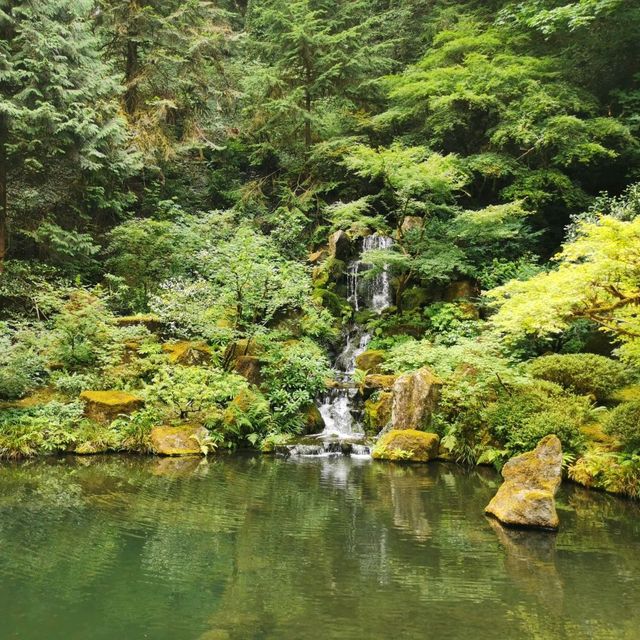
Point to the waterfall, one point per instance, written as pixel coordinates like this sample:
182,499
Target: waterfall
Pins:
340,406
369,292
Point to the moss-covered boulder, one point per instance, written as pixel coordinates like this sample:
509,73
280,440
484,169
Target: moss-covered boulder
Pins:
407,445
249,368
313,420
188,353
240,348
105,406
377,412
370,361
178,441
410,223
531,480
415,398
379,381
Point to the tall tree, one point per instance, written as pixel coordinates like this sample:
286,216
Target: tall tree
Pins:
63,156
171,54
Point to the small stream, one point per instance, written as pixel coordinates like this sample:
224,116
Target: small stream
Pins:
341,406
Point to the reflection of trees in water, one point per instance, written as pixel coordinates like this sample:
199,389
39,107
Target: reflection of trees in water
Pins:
259,547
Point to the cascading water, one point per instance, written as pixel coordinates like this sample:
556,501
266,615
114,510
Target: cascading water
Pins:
339,406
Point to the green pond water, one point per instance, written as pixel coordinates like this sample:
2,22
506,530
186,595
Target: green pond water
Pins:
257,547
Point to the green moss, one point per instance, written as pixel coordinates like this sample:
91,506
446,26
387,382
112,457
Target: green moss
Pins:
377,412
407,444
370,361
188,353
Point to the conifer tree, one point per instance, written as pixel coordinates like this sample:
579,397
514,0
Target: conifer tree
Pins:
62,141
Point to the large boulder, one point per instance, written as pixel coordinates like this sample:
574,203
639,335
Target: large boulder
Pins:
313,420
415,398
531,480
407,445
370,361
106,406
178,441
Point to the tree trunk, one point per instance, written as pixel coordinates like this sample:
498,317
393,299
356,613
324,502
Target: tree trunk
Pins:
130,77
4,230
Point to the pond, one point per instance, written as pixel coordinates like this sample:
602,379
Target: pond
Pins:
249,547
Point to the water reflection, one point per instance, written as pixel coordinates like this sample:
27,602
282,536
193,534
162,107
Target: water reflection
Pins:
256,547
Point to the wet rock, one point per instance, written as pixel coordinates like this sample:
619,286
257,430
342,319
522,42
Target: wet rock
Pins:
188,353
415,398
370,361
377,413
178,441
531,480
339,245
249,368
408,445
106,406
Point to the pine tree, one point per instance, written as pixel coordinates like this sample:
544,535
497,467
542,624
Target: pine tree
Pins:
171,54
313,59
63,143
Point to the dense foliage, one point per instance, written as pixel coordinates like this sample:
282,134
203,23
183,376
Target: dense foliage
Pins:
183,184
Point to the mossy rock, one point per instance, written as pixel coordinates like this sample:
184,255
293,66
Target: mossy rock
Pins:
240,348
148,320
318,256
106,406
379,381
248,402
461,289
249,368
188,353
377,412
370,361
313,420
178,441
408,445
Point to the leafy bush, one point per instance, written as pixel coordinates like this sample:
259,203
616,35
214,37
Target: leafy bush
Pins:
624,423
21,366
43,429
193,392
74,383
295,374
518,421
582,373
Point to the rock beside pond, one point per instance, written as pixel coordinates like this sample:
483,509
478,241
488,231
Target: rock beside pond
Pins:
415,398
408,444
105,406
531,480
178,441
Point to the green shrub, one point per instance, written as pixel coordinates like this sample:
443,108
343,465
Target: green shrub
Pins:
624,423
295,373
199,393
21,367
582,373
520,420
39,430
